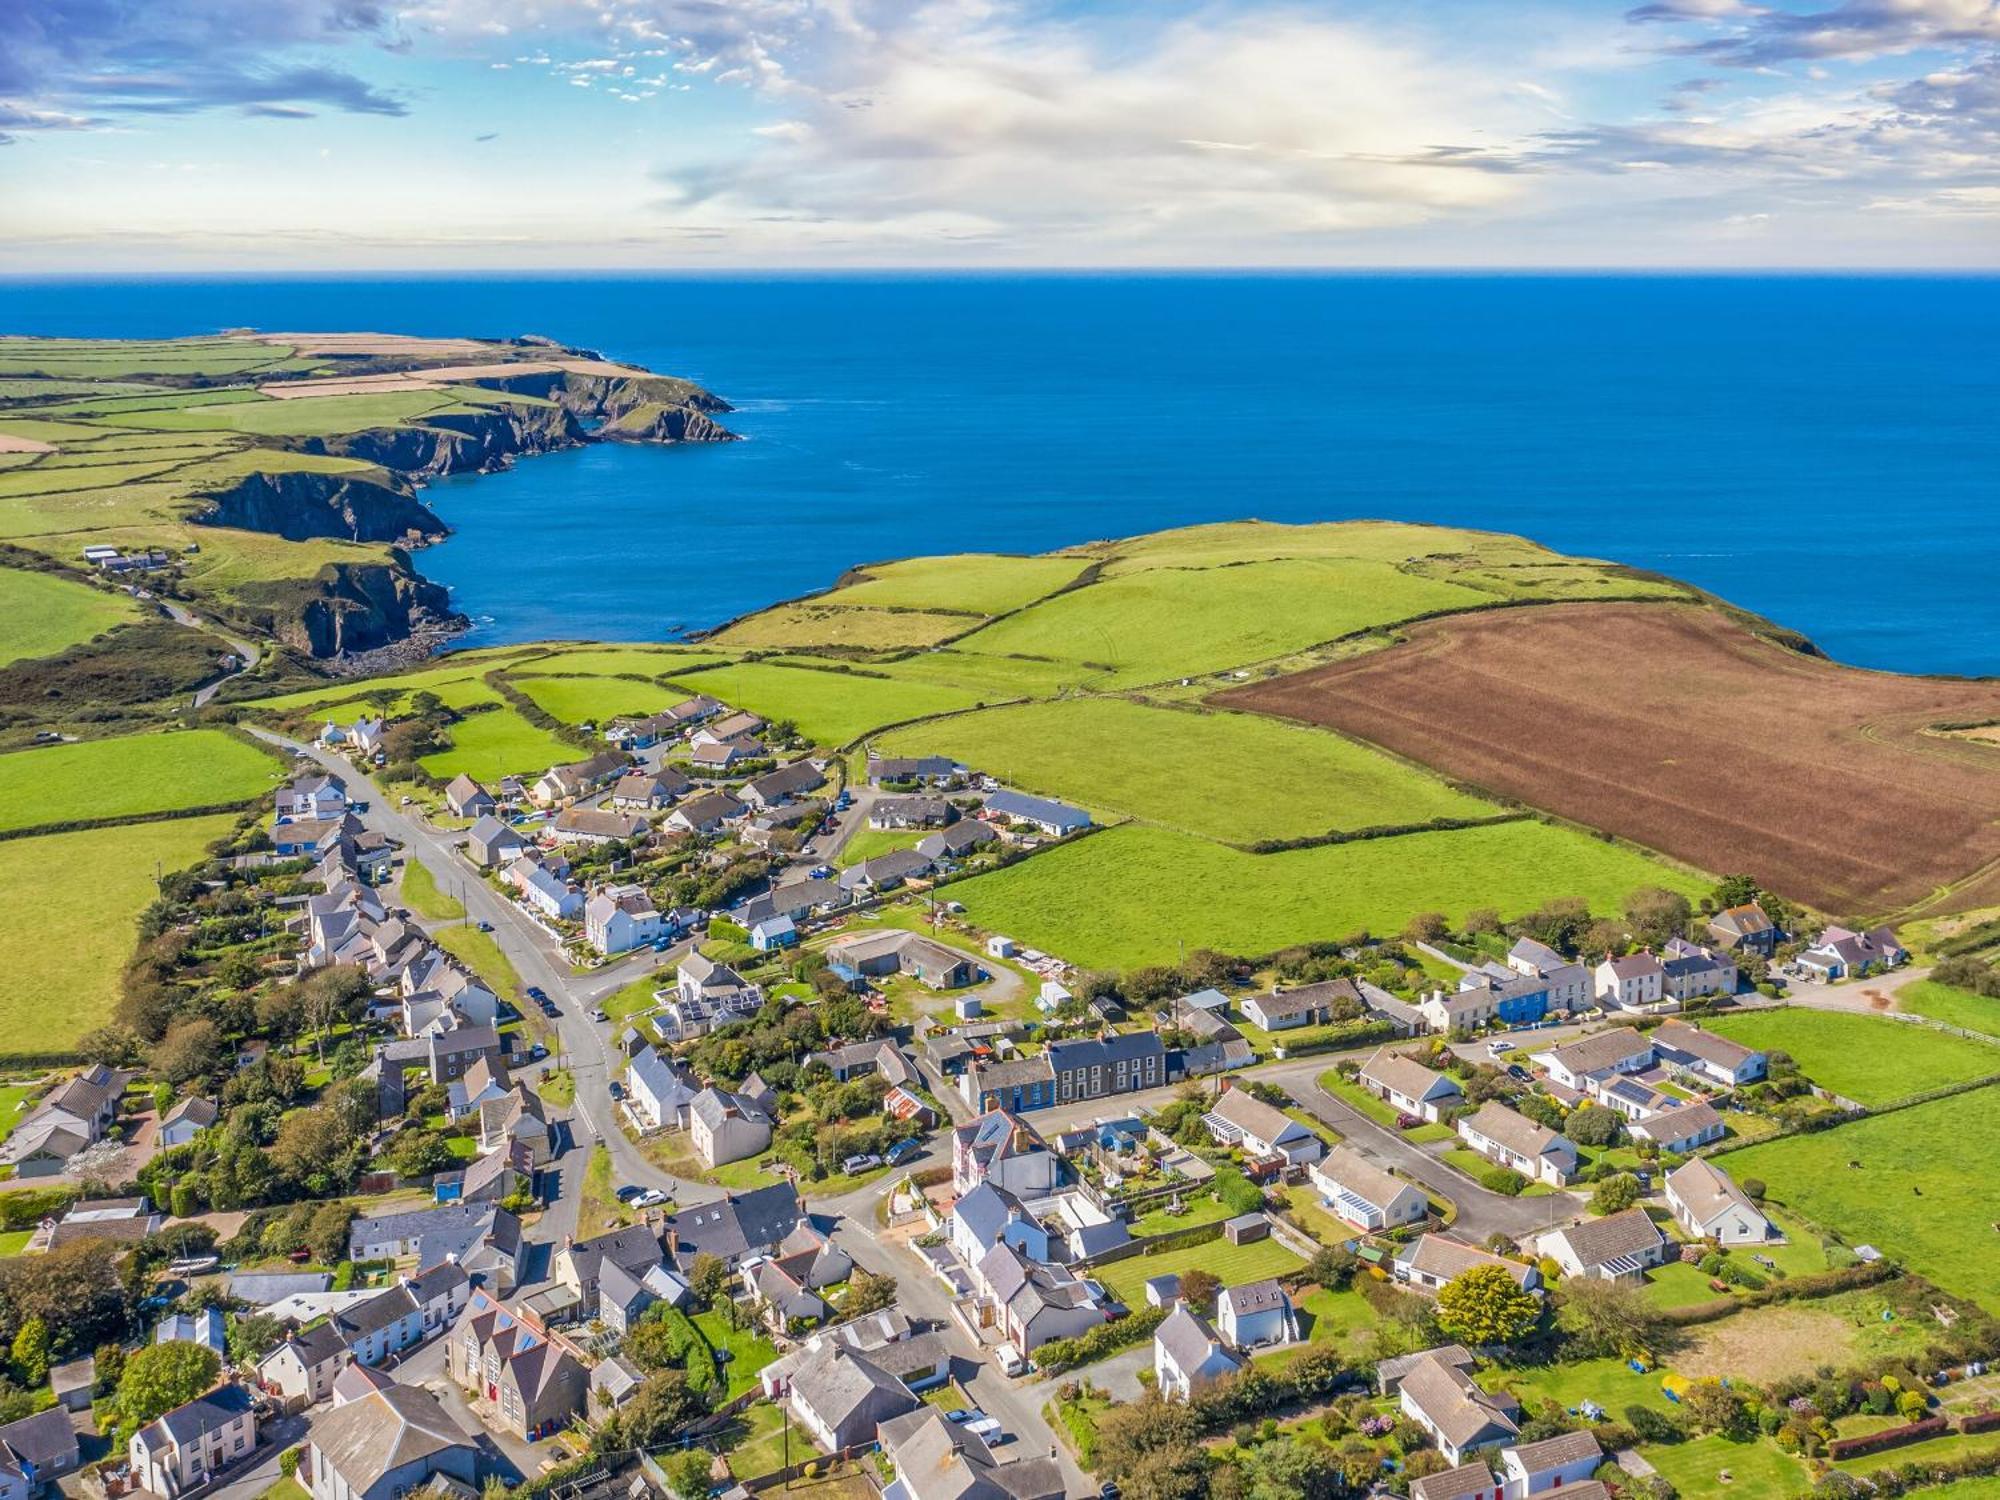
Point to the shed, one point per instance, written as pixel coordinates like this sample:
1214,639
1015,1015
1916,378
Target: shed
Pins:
74,1382
1245,1229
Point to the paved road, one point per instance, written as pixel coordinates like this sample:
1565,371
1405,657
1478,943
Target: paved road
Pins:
246,651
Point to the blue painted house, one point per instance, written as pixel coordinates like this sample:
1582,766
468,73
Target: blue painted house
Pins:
1017,1087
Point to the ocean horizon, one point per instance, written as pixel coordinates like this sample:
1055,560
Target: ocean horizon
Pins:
1818,448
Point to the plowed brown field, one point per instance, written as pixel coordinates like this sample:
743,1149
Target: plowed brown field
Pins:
1678,728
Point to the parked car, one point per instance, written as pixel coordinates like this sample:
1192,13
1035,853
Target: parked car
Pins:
1009,1359
617,1089
651,1198
902,1151
597,1013
485,926
539,996
860,1163
1499,1048
628,1192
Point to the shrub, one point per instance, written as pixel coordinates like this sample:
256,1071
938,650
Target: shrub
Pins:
1651,1426
1106,1338
288,1462
1888,1437
1502,1180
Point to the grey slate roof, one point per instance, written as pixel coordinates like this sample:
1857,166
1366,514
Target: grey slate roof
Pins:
383,1431
736,1225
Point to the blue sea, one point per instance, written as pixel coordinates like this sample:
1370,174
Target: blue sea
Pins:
1823,450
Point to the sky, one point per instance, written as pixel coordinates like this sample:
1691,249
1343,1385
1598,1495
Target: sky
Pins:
364,135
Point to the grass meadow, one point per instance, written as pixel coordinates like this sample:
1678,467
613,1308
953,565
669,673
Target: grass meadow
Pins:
1136,895
1869,1059
1916,1183
1231,777
68,902
809,624
487,746
41,614
829,708
970,583
129,777
1954,1007
594,700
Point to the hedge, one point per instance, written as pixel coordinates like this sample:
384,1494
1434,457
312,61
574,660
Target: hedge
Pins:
1792,1289
1979,1421
1888,1437
1058,1355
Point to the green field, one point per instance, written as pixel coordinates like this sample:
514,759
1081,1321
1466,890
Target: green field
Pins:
600,661
1915,1183
68,902
41,614
487,746
1868,1059
593,700
810,625
1954,1007
1166,622
1232,777
1234,1264
422,896
399,688
479,953
868,843
1696,1468
140,774
1135,895
1609,1382
829,708
980,583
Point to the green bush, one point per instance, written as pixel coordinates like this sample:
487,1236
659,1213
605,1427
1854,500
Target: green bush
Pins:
1503,1180
1106,1338
288,1462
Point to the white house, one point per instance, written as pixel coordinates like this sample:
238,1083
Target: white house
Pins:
188,1446
1704,1055
1635,982
1575,1064
1257,1313
1844,954
1409,1085
553,898
1680,1129
1460,1417
661,1092
1556,1463
1617,1247
1364,1194
620,918
185,1119
1187,1354
727,1127
1708,1204
1240,1119
311,799
1430,1261
1513,1140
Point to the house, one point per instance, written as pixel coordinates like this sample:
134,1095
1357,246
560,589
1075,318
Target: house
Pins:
1706,1056
1745,929
1486,999
357,1381
204,1328
533,1381
517,1118
1472,1481
1364,1194
543,890
786,784
620,918
1054,819
580,1264
562,784
735,1228
1410,1086
696,710
1708,1204
661,1092
591,825
1431,1260
934,1458
956,842
700,978
72,1116
404,1315
1004,1150
648,791
623,1296
1119,1063
1019,1086
185,1449
1513,1140
467,798
492,843
311,799
909,812
1308,1005
186,1119
1257,1313
1576,1065
727,1127
990,1215
1614,1248
875,954
385,1445
302,1369
841,1396
774,933
884,872
36,1451
797,899
1557,1463
912,768
863,1060
481,1239
484,1081
1032,1302
1188,1355
1389,1373
1461,1418
1692,971
1570,986
707,814
1679,1127
1634,982
1842,954
1262,1130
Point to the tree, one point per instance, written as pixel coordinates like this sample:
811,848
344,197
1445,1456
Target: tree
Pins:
1615,1194
1332,1267
1593,1125
1735,890
1485,1305
1198,1288
868,1293
31,1352
160,1377
1714,1407
1607,1318
418,1153
1427,927
1655,914
689,1473
75,1290
710,1277
1287,1469
653,1344
253,1337
190,1050
660,1408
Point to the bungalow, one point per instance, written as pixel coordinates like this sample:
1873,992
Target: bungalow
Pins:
1460,1417
913,768
467,798
909,812
1679,1127
641,732
1431,1260
1017,1087
1708,1204
1241,1119
1559,1463
707,814
312,799
875,954
864,1059
648,791
1634,982
1842,954
1187,1354
1704,1055
714,753
774,933
1575,1065
797,899
1389,1373
841,1397
786,784
492,843
1614,1248
1054,819
884,872
1408,1085
1745,929
725,1127
956,842
187,1447
35,1452
1472,1481
560,784
696,710
1364,1194
620,918
1002,1149
735,723
1513,1140
591,825
186,1119
1309,1005
1255,1314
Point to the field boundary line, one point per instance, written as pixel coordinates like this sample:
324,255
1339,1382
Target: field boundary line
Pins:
85,825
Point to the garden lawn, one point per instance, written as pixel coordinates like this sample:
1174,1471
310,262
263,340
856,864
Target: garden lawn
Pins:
41,614
1234,1264
593,700
1352,1094
68,905
1695,1468
1232,777
868,843
422,896
14,1241
1868,1059
829,708
482,955
1954,1007
1335,1317
1609,1382
1132,896
1205,1210
13,1097
496,743
130,777
1679,1285
1916,1184
748,1351
755,1443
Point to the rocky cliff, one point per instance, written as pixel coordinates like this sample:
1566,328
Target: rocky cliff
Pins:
296,504
349,608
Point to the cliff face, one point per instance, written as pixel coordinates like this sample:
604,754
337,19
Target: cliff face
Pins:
349,608
296,505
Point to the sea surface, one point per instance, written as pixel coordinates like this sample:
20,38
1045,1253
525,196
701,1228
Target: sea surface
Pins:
1823,450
